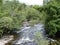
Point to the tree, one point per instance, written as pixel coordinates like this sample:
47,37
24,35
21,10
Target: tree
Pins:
53,17
1,13
15,13
6,24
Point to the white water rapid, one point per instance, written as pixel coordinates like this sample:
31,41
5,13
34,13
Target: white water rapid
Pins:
27,35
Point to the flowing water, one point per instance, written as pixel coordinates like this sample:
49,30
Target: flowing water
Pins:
27,35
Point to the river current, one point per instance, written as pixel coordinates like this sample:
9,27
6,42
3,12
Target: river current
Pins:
31,35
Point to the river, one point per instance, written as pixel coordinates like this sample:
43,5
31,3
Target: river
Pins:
31,35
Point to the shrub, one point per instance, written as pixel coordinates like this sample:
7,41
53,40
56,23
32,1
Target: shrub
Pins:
6,25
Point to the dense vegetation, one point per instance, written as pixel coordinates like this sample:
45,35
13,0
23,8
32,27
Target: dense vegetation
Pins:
51,14
14,13
52,22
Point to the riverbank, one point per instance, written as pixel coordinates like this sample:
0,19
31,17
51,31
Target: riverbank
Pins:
6,39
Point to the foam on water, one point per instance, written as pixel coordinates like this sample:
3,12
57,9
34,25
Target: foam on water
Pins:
28,34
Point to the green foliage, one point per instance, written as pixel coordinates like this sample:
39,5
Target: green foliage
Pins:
6,22
1,32
0,6
14,13
32,14
1,2
40,40
50,16
53,17
37,7
42,10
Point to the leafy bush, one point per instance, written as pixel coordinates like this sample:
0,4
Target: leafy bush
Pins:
32,14
6,22
40,39
14,14
53,18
